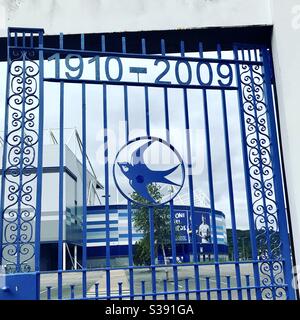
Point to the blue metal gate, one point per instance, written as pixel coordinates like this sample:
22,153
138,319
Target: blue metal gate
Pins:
201,270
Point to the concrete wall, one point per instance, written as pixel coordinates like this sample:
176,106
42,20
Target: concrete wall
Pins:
286,48
95,16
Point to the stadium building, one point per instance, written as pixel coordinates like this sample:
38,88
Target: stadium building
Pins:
118,226
96,219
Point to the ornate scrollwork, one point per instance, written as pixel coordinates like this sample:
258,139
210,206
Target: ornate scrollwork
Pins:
264,205
19,211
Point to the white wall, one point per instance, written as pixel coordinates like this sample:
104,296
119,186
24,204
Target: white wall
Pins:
95,16
286,50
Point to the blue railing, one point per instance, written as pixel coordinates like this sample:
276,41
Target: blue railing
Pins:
246,74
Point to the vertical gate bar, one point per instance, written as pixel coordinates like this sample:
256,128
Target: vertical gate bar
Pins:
143,290
126,112
31,40
97,290
124,50
103,44
265,206
106,172
129,209
84,193
173,248
146,94
229,288
16,39
61,191
130,252
120,284
147,110
84,185
230,187
255,55
49,292
191,183
278,183
172,214
4,155
211,193
165,289
61,180
152,251
107,215
151,209
40,158
248,287
82,42
187,289
246,175
72,287
23,40
208,288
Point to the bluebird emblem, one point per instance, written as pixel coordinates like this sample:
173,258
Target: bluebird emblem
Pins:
140,176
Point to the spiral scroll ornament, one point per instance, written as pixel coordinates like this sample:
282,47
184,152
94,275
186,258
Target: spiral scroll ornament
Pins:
261,175
20,174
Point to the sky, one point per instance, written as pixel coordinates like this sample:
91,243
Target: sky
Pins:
137,125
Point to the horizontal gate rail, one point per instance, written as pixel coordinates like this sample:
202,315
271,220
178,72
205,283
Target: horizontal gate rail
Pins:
88,54
139,84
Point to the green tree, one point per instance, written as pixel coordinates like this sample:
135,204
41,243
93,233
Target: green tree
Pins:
243,241
142,252
161,219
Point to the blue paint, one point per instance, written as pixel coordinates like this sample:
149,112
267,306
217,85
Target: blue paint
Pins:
40,157
137,70
61,191
266,284
129,220
21,287
140,175
278,184
108,289
191,184
230,188
247,179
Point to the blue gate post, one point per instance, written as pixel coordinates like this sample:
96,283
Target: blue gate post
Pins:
278,184
21,187
267,217
247,176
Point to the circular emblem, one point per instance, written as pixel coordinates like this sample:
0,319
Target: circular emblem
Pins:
149,171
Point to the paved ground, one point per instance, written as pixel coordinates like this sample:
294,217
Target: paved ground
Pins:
122,276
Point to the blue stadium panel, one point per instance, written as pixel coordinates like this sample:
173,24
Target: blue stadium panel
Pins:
118,230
